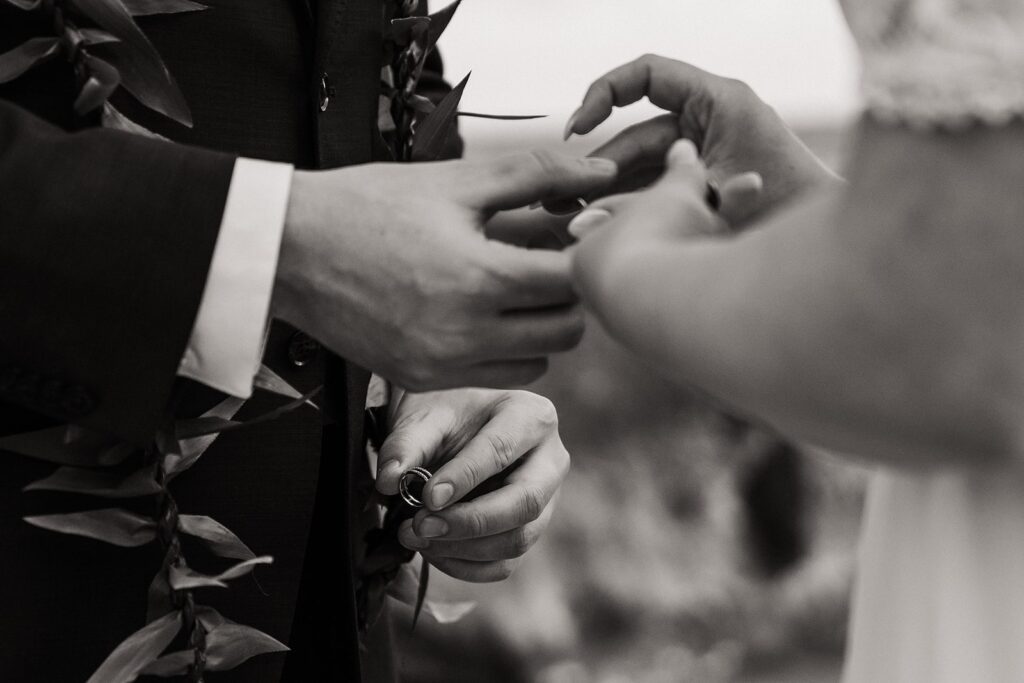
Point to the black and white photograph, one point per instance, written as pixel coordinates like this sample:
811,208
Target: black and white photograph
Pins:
478,341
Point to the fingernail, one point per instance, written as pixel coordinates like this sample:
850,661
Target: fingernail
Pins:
569,125
432,527
683,152
441,494
606,166
389,469
587,222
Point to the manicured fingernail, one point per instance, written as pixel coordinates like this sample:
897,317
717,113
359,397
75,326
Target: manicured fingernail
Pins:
606,166
391,468
432,527
569,125
441,494
587,222
683,152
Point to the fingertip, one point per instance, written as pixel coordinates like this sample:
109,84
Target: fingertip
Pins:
587,222
683,153
570,126
387,478
440,495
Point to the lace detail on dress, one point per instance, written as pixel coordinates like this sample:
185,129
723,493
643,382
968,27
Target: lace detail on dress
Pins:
946,63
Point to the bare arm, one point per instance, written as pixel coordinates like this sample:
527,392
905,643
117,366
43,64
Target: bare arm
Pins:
885,320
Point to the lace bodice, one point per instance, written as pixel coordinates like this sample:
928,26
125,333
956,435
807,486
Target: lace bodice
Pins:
941,63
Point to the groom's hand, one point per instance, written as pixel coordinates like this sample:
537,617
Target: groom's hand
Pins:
389,267
734,130
497,461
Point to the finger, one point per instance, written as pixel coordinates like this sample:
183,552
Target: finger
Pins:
476,572
505,546
529,278
669,84
741,197
412,443
641,146
521,501
684,169
518,424
522,179
536,333
597,215
529,228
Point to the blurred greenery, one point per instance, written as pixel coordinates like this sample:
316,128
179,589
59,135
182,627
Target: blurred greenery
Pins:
649,572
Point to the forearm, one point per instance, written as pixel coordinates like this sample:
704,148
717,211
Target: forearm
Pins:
857,321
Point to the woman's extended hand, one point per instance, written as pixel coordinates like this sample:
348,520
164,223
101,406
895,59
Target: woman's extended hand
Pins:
734,131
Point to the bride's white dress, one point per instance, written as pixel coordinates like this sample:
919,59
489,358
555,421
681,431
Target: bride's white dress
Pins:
940,591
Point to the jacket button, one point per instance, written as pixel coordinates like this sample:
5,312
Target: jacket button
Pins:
302,349
326,91
78,402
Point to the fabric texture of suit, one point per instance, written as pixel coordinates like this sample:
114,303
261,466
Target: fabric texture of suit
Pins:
107,239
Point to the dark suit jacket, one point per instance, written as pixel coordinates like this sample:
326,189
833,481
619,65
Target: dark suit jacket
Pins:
106,241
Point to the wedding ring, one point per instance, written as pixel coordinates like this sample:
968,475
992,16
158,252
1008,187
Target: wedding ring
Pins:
404,483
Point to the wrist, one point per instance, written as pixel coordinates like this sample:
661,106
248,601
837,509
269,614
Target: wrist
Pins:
288,284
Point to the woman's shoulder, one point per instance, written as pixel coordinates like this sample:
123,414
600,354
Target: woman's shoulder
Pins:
941,63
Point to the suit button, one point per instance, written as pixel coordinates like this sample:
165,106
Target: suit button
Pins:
326,91
302,349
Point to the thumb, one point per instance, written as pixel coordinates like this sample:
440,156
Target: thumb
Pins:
410,445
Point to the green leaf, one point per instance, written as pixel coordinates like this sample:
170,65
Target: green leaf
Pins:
503,117
101,483
158,596
99,86
268,380
61,445
434,132
143,8
113,525
231,644
22,58
221,540
439,22
184,578
143,73
115,120
404,32
204,426
25,4
227,645
188,451
140,649
421,592
94,36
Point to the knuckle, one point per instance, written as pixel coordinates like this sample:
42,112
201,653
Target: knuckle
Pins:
532,504
476,524
522,540
544,410
503,450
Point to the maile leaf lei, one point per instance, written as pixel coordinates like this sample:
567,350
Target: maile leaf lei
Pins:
107,51
94,465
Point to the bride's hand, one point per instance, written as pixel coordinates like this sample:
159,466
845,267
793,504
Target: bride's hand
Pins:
616,232
734,131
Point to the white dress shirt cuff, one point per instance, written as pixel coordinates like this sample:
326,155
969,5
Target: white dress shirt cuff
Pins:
226,346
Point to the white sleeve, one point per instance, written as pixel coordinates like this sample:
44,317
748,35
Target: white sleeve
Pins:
226,345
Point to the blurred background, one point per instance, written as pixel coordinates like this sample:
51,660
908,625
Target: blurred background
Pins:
689,545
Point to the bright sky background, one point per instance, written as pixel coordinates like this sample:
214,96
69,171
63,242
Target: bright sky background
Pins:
538,56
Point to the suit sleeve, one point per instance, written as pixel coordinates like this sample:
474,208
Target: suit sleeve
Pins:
107,238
